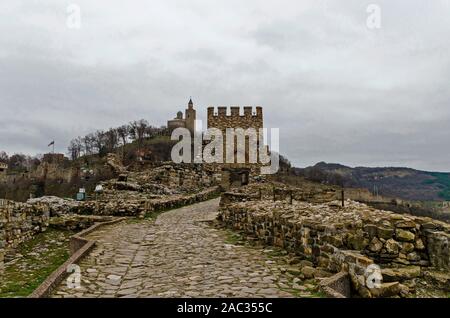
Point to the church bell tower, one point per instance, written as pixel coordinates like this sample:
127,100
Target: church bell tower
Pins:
190,117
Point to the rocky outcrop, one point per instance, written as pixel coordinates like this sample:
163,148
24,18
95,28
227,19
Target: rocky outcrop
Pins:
165,179
113,161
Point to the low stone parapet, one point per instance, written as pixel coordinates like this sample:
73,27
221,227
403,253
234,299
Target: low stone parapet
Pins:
349,238
79,247
140,207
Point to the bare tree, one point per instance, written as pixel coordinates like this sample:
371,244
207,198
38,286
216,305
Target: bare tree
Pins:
88,144
122,132
75,148
99,142
32,162
80,145
4,157
137,130
18,161
111,139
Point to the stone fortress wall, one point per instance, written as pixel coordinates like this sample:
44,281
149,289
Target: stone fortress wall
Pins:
249,119
19,222
347,238
46,170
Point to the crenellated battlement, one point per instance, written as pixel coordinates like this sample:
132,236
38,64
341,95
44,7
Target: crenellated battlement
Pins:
235,111
233,117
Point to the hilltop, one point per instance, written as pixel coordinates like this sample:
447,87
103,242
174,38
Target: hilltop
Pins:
403,183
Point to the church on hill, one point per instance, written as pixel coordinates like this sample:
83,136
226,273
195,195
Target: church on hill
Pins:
187,122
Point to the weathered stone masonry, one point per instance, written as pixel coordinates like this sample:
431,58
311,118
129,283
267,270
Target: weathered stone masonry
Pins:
349,238
232,172
163,188
223,121
140,207
20,222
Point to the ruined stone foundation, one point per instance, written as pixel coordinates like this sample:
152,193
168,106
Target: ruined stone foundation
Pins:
347,239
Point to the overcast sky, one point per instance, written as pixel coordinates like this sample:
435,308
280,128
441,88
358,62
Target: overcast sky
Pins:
339,89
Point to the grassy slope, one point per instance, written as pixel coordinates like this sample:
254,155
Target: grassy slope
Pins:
442,181
41,256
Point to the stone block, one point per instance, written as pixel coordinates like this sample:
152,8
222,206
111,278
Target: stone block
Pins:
403,235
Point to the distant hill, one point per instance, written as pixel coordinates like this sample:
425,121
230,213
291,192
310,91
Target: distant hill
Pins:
404,183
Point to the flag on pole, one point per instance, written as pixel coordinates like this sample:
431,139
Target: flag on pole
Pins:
53,146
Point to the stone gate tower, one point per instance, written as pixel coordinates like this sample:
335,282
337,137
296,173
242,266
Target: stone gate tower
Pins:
236,174
248,119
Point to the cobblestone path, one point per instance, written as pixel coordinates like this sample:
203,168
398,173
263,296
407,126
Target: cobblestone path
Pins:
179,255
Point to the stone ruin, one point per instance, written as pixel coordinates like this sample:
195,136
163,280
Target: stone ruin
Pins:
410,251
133,193
222,120
19,222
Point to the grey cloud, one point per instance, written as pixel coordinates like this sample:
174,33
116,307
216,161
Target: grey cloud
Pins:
339,91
